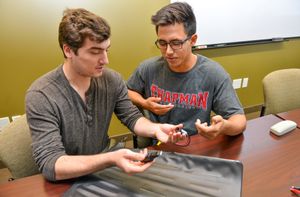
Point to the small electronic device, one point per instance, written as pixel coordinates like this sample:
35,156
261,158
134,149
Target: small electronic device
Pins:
182,131
151,156
283,127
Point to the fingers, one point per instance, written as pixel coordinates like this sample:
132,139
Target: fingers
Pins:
200,125
162,111
179,126
153,102
164,108
205,130
130,162
134,167
154,99
134,156
174,137
213,130
216,119
157,100
178,136
137,166
170,133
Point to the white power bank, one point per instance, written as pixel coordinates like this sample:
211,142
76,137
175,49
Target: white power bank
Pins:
283,127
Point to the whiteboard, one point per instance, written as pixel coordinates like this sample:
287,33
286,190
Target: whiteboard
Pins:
222,22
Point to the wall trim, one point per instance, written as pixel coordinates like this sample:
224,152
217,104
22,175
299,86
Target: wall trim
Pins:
253,108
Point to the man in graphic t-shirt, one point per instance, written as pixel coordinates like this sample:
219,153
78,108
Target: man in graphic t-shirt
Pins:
182,87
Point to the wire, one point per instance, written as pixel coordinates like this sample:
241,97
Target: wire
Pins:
185,142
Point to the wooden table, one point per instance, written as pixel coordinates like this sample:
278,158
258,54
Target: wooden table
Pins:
33,186
271,163
293,115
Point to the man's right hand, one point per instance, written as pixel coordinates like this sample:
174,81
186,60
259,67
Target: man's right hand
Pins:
152,104
130,162
71,166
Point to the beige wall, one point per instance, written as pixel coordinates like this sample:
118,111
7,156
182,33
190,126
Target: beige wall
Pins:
29,47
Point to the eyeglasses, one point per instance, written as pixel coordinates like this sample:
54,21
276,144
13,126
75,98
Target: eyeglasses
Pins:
174,44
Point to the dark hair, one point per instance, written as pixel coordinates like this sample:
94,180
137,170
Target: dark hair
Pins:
177,12
78,24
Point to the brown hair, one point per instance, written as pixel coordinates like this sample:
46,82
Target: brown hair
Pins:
177,12
78,24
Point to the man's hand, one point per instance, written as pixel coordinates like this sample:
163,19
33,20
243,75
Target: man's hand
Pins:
130,162
152,104
170,133
71,166
212,131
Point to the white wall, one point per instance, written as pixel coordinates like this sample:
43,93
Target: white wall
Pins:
226,21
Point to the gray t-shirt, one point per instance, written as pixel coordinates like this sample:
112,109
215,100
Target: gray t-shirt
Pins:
61,123
206,87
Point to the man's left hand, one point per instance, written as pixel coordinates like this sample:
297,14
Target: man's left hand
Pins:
170,133
212,131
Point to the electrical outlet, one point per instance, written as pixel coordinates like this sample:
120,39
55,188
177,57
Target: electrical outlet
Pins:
236,83
245,82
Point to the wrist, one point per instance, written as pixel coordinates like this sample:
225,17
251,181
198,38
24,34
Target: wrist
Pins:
144,105
111,158
157,128
224,127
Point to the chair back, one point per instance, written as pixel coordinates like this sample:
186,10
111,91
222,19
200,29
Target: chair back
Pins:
281,90
15,149
140,141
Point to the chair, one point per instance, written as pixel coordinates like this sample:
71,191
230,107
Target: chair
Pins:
3,122
15,149
281,91
139,141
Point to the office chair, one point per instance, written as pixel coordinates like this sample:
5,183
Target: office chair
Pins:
3,122
281,91
15,149
139,141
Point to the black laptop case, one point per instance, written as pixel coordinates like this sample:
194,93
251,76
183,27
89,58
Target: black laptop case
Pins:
172,174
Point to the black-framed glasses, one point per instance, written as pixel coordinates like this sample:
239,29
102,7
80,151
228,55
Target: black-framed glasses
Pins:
174,44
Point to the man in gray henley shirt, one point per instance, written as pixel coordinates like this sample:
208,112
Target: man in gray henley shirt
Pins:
69,109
